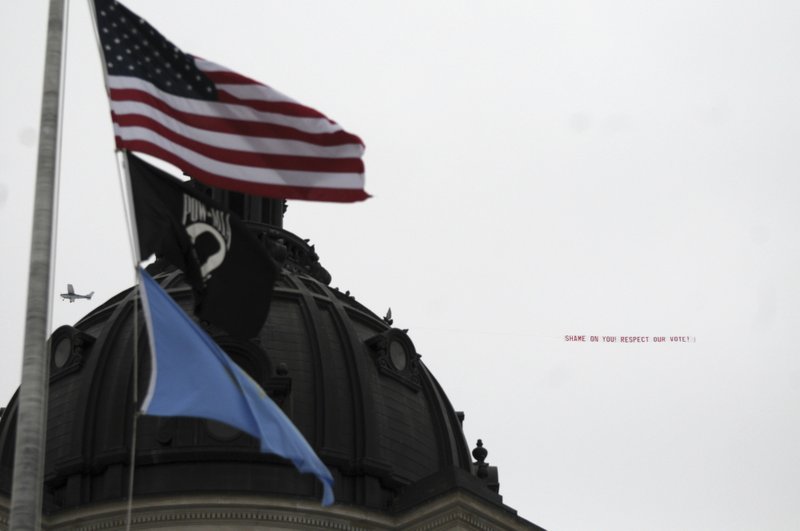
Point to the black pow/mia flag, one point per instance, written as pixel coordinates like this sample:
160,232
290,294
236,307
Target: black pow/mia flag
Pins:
230,270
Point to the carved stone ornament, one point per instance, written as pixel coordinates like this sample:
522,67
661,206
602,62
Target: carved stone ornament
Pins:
293,253
67,350
395,356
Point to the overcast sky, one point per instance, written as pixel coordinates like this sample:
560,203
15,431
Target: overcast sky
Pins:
540,169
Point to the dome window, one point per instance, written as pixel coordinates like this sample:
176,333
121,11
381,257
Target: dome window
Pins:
396,357
62,352
68,347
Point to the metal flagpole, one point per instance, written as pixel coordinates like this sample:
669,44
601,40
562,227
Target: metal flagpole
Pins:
26,491
127,197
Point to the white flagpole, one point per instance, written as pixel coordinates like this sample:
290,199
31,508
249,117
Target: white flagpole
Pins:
26,490
123,170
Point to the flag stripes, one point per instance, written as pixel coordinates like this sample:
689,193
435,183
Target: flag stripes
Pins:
232,154
229,141
239,181
134,103
125,88
219,126
143,136
314,160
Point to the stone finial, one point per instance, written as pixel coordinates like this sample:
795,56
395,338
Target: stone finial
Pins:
480,453
484,472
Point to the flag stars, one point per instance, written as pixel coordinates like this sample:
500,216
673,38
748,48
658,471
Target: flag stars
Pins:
142,52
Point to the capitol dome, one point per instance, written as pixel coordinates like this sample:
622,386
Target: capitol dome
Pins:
353,384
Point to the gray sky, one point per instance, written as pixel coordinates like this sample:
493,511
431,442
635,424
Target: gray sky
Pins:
539,169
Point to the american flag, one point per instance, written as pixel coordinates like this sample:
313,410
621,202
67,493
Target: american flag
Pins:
217,126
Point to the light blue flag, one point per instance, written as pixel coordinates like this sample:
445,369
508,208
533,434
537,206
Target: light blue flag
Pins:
193,377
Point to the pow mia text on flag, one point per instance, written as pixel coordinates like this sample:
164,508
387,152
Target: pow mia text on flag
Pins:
230,271
196,212
209,229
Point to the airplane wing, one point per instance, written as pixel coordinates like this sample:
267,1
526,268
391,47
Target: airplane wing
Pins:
70,289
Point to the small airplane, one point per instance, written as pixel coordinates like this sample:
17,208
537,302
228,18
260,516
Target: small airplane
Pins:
70,295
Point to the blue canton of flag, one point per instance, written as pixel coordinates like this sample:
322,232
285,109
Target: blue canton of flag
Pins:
193,377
